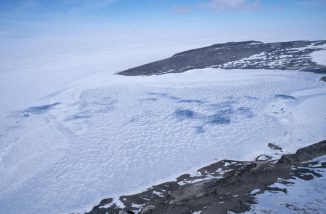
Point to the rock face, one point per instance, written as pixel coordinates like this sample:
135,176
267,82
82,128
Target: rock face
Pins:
223,186
323,79
294,55
275,147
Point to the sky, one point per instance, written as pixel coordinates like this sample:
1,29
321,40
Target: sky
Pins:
172,18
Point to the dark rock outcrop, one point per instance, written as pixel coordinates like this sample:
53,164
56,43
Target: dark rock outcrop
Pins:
274,146
223,186
323,79
294,55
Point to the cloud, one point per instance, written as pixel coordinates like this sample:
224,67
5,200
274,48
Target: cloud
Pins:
221,5
236,5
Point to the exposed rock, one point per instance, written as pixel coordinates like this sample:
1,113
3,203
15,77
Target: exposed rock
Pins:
263,158
148,209
323,79
126,212
275,147
305,154
225,185
294,55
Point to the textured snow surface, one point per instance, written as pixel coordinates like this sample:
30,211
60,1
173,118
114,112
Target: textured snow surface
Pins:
107,135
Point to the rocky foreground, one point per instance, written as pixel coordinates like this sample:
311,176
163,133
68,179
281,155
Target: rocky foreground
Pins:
224,186
294,55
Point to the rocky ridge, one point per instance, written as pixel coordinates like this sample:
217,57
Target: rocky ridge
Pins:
293,55
222,187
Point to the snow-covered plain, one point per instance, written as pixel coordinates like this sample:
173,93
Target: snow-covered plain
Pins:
97,135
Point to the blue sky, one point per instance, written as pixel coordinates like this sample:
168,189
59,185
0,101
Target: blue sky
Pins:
165,16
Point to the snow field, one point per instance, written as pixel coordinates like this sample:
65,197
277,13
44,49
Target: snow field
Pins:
109,135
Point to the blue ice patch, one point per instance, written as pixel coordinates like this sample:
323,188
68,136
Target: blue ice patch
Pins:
245,111
200,129
219,119
190,101
285,97
184,113
40,109
157,94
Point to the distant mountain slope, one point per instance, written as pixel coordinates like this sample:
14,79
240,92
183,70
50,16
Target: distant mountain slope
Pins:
294,55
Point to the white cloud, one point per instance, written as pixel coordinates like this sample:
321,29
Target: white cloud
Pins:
239,5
